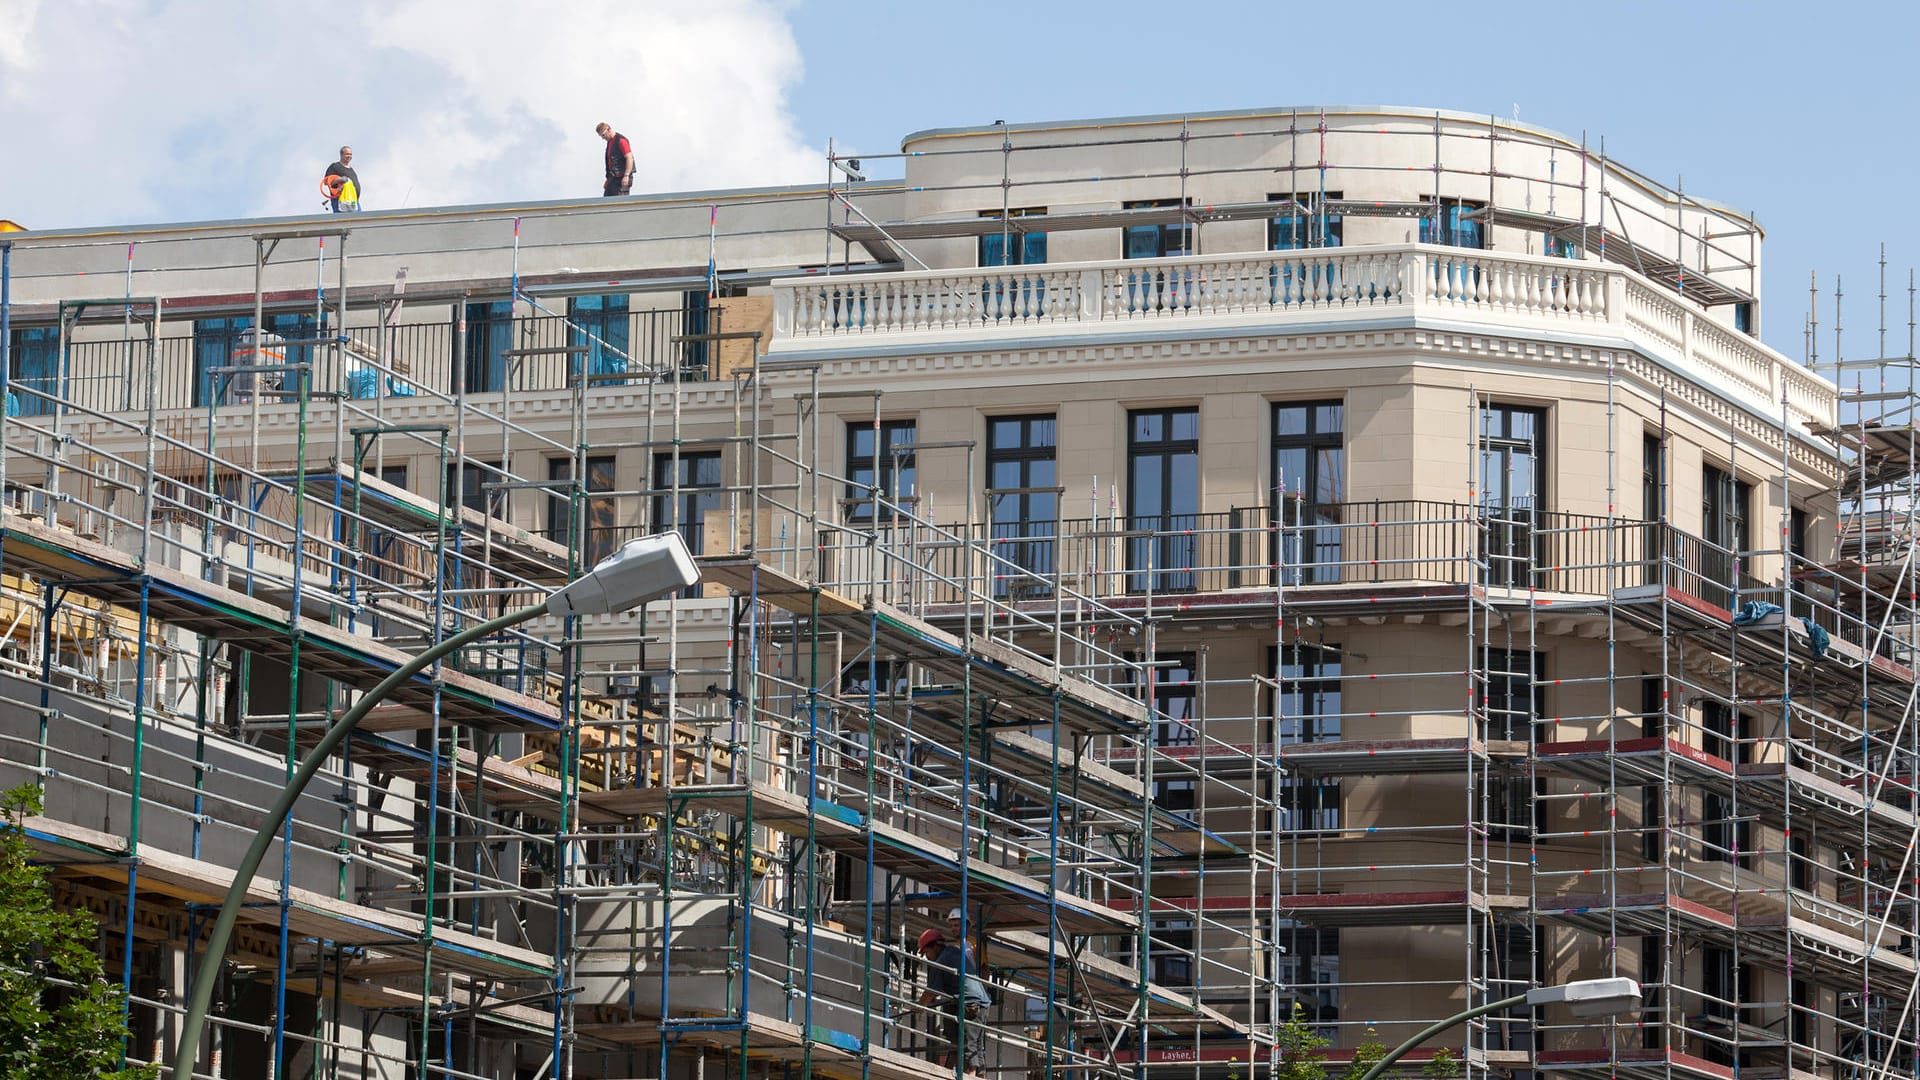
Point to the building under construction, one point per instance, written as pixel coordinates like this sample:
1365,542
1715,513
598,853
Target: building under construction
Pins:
1294,569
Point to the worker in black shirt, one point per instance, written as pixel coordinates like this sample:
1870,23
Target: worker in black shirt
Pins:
953,988
343,195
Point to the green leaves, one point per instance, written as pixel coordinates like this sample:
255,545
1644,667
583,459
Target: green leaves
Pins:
60,1019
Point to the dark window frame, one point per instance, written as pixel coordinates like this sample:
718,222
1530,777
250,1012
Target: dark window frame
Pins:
1312,556
1171,549
1023,521
1321,229
892,466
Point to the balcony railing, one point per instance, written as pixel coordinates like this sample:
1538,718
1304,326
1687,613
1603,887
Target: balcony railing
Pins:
110,376
1327,284
1382,542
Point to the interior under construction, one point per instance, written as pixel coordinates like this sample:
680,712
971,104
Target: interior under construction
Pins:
708,835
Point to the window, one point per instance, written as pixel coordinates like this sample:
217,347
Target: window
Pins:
1512,703
1171,953
229,342
1023,502
1743,320
1800,994
1309,486
33,367
1456,226
489,336
892,473
1559,247
601,533
1724,514
699,476
600,325
1516,968
1797,542
1653,806
1304,225
696,321
1726,735
1512,491
474,492
1157,241
1653,980
1013,246
1310,968
1175,724
1163,498
1653,504
1307,709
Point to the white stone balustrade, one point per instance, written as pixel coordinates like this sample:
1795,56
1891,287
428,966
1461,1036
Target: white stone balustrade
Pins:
1237,290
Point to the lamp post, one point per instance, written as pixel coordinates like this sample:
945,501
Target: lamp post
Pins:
1587,997
642,570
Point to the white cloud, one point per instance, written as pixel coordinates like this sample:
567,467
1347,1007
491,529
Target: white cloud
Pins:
139,110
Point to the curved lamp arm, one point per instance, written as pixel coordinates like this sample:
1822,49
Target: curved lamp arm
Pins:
1424,1034
188,1052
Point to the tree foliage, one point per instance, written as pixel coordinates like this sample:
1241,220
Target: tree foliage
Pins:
1303,1054
60,1019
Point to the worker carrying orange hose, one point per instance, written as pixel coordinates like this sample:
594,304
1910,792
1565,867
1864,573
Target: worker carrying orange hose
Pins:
341,185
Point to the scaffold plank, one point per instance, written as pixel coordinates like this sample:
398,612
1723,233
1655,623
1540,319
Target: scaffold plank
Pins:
309,914
215,611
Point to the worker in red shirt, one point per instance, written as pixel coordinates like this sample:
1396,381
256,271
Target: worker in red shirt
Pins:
619,161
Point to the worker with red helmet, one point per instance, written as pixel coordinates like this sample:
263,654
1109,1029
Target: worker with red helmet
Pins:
954,991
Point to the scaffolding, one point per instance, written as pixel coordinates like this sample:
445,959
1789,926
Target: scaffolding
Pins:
710,836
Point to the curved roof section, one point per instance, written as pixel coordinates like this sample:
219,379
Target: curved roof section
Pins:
1289,111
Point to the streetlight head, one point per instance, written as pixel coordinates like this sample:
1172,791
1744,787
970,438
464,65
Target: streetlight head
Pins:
1590,997
642,570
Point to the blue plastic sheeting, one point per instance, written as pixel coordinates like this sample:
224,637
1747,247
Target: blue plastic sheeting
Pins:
1753,611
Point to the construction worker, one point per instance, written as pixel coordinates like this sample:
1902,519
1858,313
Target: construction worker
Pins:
619,160
342,184
953,988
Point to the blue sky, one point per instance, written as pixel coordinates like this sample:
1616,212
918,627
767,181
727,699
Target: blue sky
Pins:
1800,113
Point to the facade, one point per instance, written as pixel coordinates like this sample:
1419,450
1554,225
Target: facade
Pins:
1282,569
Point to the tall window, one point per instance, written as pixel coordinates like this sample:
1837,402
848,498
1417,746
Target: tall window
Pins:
891,470
600,325
1726,735
1172,952
489,336
1023,503
600,532
696,321
1307,709
1457,225
1512,490
699,476
1653,805
1513,700
1305,225
1724,525
473,480
1652,503
33,364
1163,498
1175,724
1013,246
1653,979
1309,486
1160,240
1743,319
229,342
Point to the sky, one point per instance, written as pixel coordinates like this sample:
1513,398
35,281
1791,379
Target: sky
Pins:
125,111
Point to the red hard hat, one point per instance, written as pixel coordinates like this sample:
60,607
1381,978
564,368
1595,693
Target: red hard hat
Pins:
931,936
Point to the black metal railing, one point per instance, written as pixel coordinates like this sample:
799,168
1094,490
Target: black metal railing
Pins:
635,346
1351,543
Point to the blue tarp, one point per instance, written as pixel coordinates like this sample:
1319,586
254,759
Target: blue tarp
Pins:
1753,611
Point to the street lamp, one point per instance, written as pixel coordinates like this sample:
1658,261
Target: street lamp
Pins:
642,570
1587,997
